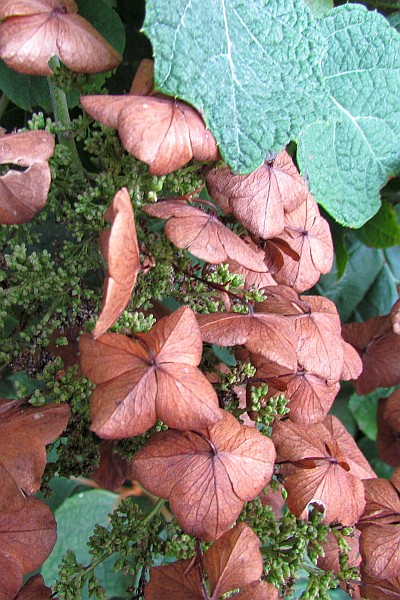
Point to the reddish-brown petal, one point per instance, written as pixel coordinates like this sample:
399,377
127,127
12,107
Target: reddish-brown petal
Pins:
318,473
23,193
120,249
308,234
29,40
258,200
203,235
162,132
35,589
24,432
178,581
233,561
208,476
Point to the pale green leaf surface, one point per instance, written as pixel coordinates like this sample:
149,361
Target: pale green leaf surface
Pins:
250,68
349,159
76,519
319,7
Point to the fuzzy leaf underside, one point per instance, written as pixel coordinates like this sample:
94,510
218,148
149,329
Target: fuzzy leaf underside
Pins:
269,72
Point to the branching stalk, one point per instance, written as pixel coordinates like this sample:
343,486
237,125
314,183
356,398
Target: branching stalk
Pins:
61,115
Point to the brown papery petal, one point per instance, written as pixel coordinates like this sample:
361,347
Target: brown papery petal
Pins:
178,581
25,523
206,477
320,344
309,236
12,8
319,473
203,235
153,376
35,589
28,42
23,193
120,249
260,590
380,550
233,561
105,109
258,200
24,432
165,134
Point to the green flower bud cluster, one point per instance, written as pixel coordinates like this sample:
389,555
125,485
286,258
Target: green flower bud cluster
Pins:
292,546
176,544
126,448
318,585
77,449
267,410
260,517
131,534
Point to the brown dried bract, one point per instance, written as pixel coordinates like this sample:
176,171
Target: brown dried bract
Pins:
388,436
203,235
379,348
24,433
270,335
25,523
153,376
119,247
322,465
35,589
309,236
233,561
260,199
380,527
33,31
206,476
23,193
162,132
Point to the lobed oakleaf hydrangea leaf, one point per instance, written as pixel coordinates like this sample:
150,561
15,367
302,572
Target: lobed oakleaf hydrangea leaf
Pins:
264,73
351,157
251,69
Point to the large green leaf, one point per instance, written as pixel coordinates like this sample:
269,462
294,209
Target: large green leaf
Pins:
350,158
251,68
319,7
265,72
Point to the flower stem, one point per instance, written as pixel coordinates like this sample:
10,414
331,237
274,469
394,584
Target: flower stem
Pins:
61,115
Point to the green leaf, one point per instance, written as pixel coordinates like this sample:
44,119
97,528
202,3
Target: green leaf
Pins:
104,18
262,73
383,230
10,385
319,7
25,91
76,519
250,68
341,253
368,286
351,157
363,409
